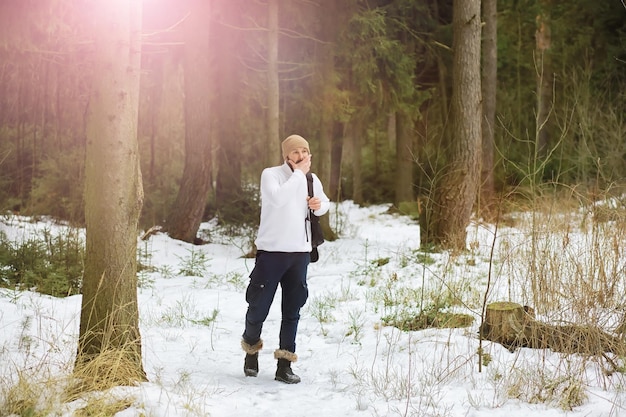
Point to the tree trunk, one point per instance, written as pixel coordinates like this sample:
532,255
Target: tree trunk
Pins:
404,159
544,79
228,193
356,159
331,14
327,86
456,188
272,150
109,345
486,204
186,214
334,185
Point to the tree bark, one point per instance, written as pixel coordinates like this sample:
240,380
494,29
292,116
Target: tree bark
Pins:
272,150
326,85
334,185
331,14
486,204
109,317
356,131
543,40
456,188
186,214
404,159
503,323
228,132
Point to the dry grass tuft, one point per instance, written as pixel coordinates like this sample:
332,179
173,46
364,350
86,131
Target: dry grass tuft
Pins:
21,398
104,405
565,391
109,369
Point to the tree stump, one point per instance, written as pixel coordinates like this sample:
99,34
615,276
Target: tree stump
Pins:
505,323
513,325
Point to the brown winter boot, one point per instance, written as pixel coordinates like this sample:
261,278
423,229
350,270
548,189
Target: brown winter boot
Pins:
283,370
251,362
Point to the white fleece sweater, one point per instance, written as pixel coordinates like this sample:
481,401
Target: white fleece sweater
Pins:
284,208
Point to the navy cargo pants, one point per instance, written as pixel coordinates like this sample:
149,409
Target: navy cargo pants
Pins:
272,268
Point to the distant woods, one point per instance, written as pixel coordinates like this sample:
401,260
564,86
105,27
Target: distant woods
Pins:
371,84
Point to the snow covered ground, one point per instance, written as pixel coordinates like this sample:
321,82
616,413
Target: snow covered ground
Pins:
351,364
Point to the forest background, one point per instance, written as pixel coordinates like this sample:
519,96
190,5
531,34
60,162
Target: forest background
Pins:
160,114
368,83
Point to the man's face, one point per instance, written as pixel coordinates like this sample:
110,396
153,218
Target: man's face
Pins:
297,155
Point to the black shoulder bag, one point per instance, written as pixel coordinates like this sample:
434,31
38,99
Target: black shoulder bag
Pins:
317,236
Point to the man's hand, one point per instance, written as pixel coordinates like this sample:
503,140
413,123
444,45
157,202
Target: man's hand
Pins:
304,165
314,203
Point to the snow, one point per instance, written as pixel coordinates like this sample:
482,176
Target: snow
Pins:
351,364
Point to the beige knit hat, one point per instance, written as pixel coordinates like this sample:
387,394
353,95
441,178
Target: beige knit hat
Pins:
294,142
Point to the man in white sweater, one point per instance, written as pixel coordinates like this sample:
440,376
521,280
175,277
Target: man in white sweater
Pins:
283,255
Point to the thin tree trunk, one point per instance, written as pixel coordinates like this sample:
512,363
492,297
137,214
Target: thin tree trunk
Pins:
228,193
334,185
490,77
327,87
357,180
272,150
404,159
392,131
455,191
109,346
544,79
186,214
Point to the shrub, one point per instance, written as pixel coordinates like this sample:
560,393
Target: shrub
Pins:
50,265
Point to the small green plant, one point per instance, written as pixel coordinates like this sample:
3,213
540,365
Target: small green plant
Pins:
195,264
381,261
12,294
370,271
356,326
232,279
236,280
428,318
436,313
166,271
484,357
321,308
207,320
145,279
424,258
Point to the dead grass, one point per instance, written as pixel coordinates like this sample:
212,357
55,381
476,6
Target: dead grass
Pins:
87,391
22,397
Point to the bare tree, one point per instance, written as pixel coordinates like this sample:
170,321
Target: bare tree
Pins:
113,200
456,188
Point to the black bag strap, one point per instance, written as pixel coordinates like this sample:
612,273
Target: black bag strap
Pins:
309,183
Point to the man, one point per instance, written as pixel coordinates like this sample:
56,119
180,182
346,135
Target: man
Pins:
283,254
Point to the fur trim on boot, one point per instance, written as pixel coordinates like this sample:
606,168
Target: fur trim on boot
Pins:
285,354
251,349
